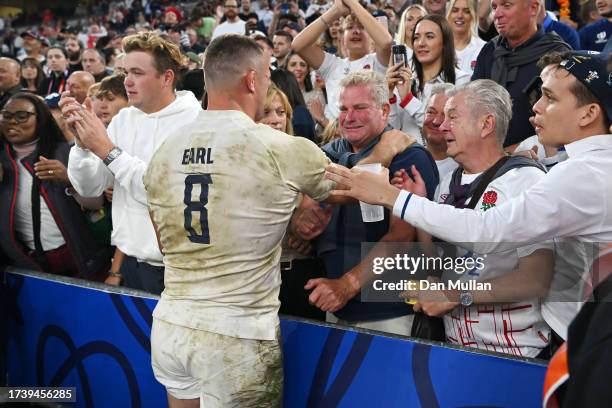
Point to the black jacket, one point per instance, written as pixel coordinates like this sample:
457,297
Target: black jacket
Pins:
521,83
53,83
90,257
589,346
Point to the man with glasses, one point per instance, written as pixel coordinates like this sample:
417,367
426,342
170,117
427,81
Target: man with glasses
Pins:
233,24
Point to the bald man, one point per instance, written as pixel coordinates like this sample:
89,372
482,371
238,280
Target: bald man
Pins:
78,84
10,79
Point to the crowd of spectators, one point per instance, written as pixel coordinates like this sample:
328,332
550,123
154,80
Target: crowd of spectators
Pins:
335,83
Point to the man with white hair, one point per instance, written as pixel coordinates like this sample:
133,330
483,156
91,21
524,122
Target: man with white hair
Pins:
571,202
477,115
364,111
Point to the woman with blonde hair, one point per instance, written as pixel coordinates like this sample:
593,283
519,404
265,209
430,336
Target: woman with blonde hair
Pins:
463,21
408,21
277,111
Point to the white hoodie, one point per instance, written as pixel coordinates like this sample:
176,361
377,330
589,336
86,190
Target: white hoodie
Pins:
139,135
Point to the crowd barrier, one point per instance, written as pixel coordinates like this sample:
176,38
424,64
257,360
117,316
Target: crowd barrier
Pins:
68,332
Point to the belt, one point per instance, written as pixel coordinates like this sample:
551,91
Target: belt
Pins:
286,266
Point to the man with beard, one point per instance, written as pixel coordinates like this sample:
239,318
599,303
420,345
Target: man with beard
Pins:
233,24
73,48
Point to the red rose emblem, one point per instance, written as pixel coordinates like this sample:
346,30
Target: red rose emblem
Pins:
490,197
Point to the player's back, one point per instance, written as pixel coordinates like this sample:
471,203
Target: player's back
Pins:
221,192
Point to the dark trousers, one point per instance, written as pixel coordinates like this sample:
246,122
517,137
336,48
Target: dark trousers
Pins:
293,296
141,275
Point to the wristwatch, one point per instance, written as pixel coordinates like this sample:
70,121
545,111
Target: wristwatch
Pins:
112,155
466,299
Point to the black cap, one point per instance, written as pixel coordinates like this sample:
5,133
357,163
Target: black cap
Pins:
590,68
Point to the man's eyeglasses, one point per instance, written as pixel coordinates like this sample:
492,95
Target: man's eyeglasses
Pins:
18,116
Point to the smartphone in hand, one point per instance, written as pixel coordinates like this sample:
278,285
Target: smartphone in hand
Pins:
400,54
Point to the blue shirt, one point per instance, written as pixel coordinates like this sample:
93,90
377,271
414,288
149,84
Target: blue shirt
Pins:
569,35
340,244
595,36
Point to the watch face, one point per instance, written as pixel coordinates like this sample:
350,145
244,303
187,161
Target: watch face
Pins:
466,299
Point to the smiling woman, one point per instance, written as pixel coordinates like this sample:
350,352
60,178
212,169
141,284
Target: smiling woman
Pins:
46,229
462,19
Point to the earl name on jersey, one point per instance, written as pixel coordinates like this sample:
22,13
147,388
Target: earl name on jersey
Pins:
198,155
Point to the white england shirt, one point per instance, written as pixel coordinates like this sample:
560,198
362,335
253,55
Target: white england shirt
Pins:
513,328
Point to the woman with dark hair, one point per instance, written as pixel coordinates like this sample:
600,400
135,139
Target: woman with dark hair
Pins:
303,123
32,74
57,62
434,62
44,228
302,73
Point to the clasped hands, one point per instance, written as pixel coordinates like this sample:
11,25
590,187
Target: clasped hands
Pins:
89,130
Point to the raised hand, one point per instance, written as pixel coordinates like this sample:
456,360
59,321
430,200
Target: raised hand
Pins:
404,85
402,180
91,130
393,77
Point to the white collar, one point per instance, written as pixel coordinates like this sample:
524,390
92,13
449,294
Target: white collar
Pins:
588,144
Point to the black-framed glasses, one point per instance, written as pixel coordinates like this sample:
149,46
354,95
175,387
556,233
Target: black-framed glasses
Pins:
18,116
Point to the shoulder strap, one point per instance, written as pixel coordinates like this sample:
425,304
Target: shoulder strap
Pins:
39,253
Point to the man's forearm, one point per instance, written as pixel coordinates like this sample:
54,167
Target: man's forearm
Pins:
531,280
359,275
87,174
